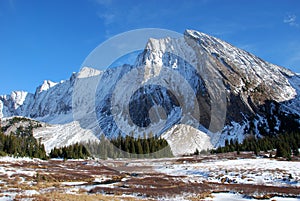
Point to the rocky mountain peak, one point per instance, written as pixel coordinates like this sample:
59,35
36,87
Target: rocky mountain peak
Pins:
47,84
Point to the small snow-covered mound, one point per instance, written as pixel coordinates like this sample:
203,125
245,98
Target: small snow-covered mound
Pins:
184,139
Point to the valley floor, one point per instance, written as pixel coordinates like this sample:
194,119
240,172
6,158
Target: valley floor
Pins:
211,177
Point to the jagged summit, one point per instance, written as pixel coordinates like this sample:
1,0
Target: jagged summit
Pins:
18,98
86,72
47,84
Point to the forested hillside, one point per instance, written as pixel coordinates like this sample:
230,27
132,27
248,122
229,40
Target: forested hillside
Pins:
20,141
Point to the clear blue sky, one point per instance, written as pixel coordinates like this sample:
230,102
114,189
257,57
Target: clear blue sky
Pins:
49,39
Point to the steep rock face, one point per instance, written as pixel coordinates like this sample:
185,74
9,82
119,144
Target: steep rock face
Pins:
243,74
195,89
265,95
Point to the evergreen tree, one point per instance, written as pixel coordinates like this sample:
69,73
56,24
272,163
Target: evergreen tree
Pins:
281,150
139,147
103,150
75,151
132,146
142,147
196,152
285,144
146,147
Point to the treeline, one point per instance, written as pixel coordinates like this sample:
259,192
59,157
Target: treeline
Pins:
140,145
75,151
130,147
21,144
285,145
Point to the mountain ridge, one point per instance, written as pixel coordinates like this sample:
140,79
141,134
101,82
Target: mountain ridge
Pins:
237,93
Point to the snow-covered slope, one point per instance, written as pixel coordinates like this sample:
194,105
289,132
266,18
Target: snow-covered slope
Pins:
196,89
59,135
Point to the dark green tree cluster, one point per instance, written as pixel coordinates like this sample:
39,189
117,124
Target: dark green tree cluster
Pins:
130,147
74,151
22,144
103,149
140,145
285,145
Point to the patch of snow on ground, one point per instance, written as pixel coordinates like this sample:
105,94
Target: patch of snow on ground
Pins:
19,159
75,183
30,192
239,197
243,171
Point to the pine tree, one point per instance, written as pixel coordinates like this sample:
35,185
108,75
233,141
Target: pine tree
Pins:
139,147
146,147
283,150
103,149
127,144
132,146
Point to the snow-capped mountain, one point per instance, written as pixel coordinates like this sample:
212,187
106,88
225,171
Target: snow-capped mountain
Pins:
197,89
51,103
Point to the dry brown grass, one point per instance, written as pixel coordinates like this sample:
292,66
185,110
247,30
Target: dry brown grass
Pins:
58,196
201,196
252,190
153,187
145,185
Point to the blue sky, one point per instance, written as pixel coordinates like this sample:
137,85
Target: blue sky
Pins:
49,39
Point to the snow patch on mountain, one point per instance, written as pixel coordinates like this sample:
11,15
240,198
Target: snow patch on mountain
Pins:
57,118
233,131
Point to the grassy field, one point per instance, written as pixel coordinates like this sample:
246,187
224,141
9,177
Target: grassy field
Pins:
185,178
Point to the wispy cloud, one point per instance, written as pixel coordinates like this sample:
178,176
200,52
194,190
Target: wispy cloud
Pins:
291,20
106,12
104,2
107,17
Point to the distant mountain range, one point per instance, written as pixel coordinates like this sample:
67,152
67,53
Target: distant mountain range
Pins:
195,91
